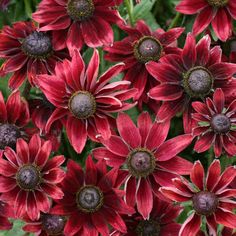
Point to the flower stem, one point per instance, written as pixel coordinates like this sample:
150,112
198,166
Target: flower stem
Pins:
26,90
175,20
129,8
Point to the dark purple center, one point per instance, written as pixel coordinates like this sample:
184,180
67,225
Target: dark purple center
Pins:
8,136
28,177
220,123
148,228
53,224
80,10
147,49
37,45
204,203
141,163
89,198
82,104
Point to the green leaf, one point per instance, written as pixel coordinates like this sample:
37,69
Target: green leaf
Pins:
142,9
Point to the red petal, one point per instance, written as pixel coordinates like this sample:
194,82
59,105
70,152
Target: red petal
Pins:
172,147
203,20
144,125
73,225
53,163
3,114
175,195
7,184
116,146
52,190
189,52
103,127
130,189
203,50
128,131
91,171
6,168
222,24
213,175
197,175
43,202
144,198
191,226
191,6
157,135
100,223
20,203
92,70
225,218
77,133
204,142
43,154
32,209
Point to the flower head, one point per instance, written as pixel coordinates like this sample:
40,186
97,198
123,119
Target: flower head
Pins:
94,198
29,178
161,221
71,19
27,53
215,125
192,75
218,13
142,45
85,102
210,197
147,159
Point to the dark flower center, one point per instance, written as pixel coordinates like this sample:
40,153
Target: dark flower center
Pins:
82,104
89,198
198,82
204,203
218,3
141,162
28,177
147,49
80,10
53,224
37,45
220,123
8,135
148,228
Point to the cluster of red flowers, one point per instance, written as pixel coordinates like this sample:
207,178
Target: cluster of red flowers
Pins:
134,182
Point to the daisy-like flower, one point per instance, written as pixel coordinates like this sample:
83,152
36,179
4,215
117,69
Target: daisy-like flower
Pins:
70,20
142,45
92,200
192,75
161,221
27,53
215,125
210,197
14,118
85,102
218,13
29,179
146,158
47,225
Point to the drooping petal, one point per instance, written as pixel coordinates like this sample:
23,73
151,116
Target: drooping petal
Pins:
197,175
191,225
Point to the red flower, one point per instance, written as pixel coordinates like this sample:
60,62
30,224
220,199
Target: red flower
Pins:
92,200
29,178
86,103
161,221
215,125
142,45
192,75
27,53
47,225
219,13
14,117
75,22
148,161
210,198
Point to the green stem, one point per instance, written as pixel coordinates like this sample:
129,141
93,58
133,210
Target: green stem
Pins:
175,20
102,62
26,90
129,8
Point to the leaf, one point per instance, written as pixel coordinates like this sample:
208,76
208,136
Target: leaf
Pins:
142,9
